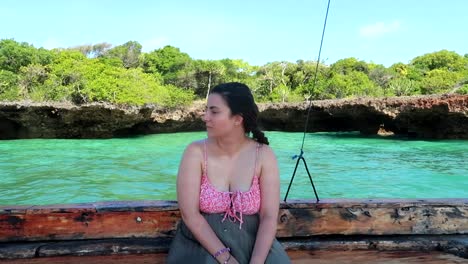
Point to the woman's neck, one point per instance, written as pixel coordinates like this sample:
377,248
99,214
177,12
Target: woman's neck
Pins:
231,146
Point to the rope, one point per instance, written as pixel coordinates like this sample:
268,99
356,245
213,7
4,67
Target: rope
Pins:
300,156
315,76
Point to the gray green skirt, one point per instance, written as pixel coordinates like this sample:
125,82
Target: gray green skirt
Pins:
186,249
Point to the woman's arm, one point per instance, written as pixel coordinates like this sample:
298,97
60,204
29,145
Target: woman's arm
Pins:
188,196
270,196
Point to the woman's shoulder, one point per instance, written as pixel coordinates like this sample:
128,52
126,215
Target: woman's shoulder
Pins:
195,147
266,152
263,147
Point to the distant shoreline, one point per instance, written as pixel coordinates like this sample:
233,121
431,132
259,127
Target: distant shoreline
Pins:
429,117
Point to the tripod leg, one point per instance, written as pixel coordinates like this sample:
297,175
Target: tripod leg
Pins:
292,178
310,178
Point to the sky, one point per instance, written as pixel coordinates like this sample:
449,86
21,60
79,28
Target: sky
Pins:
256,31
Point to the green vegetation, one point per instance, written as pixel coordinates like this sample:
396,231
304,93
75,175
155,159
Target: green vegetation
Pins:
170,78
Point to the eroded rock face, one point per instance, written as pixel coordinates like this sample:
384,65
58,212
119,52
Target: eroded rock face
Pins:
24,120
444,116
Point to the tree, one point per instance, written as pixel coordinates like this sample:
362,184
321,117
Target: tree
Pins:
208,74
463,89
439,81
8,85
304,72
93,51
32,80
14,55
267,78
401,70
237,71
66,79
272,75
348,65
349,77
303,82
402,87
444,59
174,65
93,80
380,75
129,53
354,83
281,93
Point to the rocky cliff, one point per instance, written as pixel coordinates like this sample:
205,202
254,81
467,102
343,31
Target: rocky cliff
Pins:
442,116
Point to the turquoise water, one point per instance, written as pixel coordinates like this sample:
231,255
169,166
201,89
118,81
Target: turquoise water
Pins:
343,165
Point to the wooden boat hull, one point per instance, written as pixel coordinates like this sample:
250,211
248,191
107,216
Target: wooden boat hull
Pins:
297,257
144,229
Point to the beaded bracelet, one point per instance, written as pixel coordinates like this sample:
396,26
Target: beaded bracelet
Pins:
221,251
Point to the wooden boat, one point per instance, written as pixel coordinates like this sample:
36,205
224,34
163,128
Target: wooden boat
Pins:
331,231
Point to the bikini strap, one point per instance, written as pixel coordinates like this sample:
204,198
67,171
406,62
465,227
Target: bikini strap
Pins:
256,158
205,158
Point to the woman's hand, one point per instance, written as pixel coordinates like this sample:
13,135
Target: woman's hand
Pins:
227,258
253,261
233,260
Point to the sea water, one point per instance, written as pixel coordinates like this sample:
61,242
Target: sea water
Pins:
342,165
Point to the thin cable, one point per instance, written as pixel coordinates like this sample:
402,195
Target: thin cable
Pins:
300,156
315,76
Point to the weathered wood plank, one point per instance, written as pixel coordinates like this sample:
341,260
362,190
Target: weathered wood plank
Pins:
453,244
296,219
111,259
372,257
86,224
373,220
381,203
297,257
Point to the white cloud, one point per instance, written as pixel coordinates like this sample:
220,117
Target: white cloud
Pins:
154,43
379,29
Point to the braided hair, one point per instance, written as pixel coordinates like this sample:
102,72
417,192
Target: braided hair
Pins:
240,100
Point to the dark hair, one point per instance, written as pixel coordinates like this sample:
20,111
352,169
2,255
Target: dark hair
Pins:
240,100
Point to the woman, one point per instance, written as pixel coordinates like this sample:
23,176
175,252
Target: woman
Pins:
228,187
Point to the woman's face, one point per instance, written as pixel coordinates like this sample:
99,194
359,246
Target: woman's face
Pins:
218,118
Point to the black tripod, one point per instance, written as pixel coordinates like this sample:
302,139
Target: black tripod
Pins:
301,157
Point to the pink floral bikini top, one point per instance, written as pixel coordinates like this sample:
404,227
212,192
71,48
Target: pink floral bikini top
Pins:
232,204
